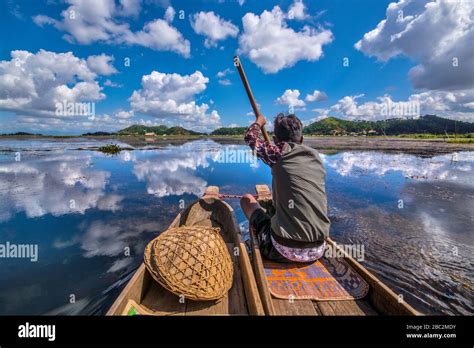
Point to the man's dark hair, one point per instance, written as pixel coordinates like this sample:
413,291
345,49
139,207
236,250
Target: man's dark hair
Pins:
288,128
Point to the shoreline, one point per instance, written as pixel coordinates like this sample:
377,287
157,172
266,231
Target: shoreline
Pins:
325,144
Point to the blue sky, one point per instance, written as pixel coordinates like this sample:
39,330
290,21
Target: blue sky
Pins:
289,49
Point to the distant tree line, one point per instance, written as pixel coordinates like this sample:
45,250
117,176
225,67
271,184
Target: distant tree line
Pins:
158,130
426,124
429,124
229,131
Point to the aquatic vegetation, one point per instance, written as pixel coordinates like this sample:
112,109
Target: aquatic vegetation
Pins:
462,141
111,149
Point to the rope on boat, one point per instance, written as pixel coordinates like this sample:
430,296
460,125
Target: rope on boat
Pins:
233,196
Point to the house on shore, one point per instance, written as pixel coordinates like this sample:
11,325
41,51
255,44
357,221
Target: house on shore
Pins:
150,136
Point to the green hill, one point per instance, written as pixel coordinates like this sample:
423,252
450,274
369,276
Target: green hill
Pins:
426,124
137,129
181,131
333,125
20,134
229,131
98,134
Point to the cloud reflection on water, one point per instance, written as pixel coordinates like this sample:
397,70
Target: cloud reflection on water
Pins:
172,171
57,184
375,163
111,238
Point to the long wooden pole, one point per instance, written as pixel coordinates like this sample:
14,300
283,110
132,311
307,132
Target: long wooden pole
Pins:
256,111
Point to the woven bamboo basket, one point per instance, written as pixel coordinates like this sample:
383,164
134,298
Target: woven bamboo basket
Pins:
191,261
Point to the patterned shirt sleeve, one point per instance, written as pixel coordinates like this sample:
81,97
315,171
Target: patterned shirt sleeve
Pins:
269,153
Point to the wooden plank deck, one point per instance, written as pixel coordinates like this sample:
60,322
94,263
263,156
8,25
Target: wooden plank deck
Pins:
161,300
296,307
349,307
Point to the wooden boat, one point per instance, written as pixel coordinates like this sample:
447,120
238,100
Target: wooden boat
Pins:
243,298
380,300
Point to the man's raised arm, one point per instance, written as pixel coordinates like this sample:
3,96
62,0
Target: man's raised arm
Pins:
267,152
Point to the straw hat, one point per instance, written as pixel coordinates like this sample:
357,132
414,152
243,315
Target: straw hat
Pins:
192,261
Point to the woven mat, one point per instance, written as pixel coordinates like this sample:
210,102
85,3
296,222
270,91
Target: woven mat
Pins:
327,279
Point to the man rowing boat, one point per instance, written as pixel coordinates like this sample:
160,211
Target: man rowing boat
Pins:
297,230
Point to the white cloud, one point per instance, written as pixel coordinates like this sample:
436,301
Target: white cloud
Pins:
433,33
171,97
32,84
164,87
224,73
272,45
454,105
88,21
316,96
225,82
124,114
101,64
314,119
297,10
169,14
213,27
129,7
349,107
321,112
291,97
110,83
73,125
160,36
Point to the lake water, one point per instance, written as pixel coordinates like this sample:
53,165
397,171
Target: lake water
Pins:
85,210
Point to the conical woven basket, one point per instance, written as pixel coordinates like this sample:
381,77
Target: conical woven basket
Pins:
191,261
